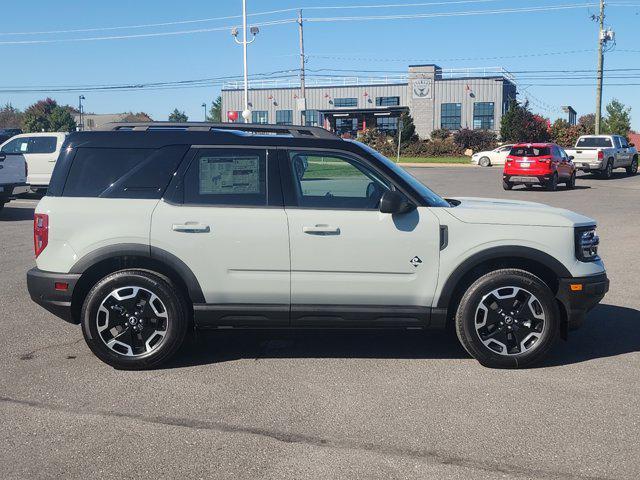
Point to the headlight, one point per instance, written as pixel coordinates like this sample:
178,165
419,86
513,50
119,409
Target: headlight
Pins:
587,242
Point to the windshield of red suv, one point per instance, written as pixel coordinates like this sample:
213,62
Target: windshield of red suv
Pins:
594,142
530,152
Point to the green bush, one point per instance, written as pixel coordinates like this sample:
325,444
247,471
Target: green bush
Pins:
476,140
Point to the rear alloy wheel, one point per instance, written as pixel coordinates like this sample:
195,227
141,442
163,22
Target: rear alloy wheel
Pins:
607,173
134,319
571,183
507,185
633,168
552,185
484,162
507,319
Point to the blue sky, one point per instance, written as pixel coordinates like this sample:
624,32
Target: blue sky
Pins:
523,41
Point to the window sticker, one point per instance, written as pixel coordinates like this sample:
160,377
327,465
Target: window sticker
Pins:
24,146
229,175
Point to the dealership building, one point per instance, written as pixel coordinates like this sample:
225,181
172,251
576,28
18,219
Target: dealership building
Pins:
435,98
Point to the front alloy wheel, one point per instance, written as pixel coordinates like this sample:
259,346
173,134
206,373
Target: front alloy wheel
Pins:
633,168
508,318
134,319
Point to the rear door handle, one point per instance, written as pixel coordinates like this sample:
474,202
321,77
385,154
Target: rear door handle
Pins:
321,229
191,227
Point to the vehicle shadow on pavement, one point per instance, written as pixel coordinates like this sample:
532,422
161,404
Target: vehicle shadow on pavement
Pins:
12,214
608,331
216,346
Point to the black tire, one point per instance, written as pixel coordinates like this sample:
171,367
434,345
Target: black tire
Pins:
571,183
507,185
484,162
552,185
171,328
467,317
607,173
633,168
2,204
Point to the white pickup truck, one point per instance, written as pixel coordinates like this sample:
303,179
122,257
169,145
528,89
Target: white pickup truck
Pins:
603,153
13,177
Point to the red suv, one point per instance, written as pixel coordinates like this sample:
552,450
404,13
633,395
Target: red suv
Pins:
544,164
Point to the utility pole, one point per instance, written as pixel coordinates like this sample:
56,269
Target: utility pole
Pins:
601,42
246,113
302,60
81,126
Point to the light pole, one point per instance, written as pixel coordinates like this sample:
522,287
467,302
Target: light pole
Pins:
204,105
246,113
80,98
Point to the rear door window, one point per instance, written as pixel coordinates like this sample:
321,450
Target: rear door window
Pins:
227,177
530,151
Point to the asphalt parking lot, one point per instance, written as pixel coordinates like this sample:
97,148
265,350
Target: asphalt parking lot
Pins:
331,405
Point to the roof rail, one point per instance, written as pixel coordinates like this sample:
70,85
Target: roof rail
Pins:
257,128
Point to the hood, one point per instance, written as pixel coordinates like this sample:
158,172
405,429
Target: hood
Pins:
496,211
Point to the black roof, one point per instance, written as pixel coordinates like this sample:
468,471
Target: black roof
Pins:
160,134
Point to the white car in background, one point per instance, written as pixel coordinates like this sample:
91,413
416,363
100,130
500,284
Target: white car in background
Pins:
497,156
40,151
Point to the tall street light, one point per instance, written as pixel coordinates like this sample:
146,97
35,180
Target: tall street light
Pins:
246,113
204,105
80,98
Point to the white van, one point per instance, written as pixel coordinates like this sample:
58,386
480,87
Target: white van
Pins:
40,151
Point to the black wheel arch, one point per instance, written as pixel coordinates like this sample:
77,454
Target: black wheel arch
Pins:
109,259
537,262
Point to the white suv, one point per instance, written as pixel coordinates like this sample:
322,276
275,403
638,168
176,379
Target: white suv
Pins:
150,230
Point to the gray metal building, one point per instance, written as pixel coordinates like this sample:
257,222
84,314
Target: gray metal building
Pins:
435,98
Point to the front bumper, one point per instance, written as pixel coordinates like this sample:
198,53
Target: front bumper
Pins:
578,295
43,291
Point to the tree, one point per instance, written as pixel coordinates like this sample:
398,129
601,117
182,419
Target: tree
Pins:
10,117
47,116
519,124
137,117
178,116
587,123
565,134
618,119
476,140
215,112
408,128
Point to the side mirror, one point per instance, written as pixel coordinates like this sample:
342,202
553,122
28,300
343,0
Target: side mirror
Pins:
631,145
3,156
571,157
394,202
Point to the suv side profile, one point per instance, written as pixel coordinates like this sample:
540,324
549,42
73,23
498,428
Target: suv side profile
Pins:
150,230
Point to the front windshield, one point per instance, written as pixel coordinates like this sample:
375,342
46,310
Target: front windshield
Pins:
432,199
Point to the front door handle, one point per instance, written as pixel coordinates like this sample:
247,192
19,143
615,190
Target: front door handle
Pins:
321,229
191,227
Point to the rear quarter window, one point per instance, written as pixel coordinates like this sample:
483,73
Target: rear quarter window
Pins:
122,172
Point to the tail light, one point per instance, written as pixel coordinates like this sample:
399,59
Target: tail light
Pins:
40,232
600,155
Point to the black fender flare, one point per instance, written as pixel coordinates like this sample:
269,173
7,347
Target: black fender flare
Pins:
495,253
145,251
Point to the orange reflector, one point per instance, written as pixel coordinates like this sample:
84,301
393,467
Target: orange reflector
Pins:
576,287
62,286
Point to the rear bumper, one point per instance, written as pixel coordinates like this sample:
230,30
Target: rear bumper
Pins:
516,178
42,289
10,190
588,166
578,295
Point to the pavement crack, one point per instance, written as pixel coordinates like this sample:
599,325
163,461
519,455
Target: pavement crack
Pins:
427,455
32,354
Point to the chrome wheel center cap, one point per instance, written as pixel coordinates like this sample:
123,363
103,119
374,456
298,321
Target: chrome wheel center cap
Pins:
133,321
508,320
